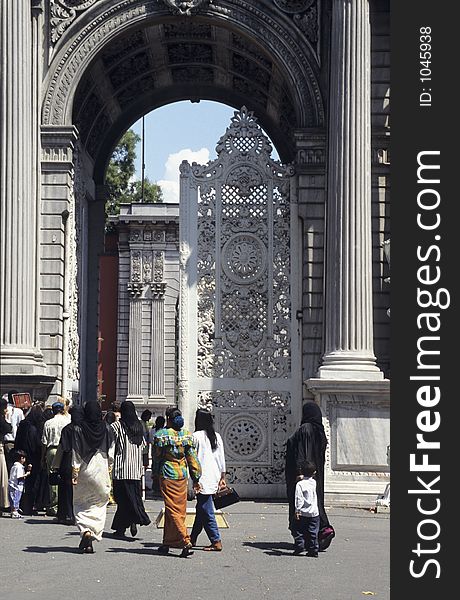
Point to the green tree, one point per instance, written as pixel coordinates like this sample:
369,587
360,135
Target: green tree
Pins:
121,188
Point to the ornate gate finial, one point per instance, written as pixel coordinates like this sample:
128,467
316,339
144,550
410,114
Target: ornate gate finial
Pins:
184,8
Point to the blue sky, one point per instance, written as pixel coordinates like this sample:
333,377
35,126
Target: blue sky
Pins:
178,131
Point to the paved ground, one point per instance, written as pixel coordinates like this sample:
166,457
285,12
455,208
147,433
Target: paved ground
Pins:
39,561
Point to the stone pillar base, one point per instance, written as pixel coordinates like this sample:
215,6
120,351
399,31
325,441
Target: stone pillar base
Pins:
20,361
349,365
356,418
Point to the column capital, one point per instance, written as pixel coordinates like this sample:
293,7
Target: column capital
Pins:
135,289
58,144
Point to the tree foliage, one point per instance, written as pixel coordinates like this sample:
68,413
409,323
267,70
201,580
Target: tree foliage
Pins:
121,187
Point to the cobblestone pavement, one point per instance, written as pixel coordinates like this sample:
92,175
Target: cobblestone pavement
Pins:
39,560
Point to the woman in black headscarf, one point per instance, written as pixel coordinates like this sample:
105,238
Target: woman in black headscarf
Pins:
92,458
308,443
63,464
127,472
28,439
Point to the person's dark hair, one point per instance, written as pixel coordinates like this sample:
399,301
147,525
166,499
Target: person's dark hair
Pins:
110,417
204,422
116,406
146,415
131,423
160,422
174,415
18,454
48,413
3,404
306,468
57,408
36,417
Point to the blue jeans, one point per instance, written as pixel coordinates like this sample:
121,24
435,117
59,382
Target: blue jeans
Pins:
205,518
305,533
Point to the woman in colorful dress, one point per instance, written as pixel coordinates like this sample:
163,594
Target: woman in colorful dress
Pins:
92,459
174,449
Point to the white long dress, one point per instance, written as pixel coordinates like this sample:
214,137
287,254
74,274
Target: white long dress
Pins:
91,494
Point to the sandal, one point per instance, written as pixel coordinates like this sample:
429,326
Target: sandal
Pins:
186,551
85,542
214,547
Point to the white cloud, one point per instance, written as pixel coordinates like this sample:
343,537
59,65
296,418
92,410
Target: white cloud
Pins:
170,184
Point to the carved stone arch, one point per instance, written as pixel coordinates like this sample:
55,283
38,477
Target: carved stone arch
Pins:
102,22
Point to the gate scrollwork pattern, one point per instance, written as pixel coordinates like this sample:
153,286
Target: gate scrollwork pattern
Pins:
254,427
243,244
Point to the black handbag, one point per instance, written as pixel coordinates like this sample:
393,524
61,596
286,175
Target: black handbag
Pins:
225,497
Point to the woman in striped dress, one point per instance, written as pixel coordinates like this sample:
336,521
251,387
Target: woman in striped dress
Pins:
127,472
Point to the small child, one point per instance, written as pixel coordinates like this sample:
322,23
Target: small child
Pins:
306,524
16,482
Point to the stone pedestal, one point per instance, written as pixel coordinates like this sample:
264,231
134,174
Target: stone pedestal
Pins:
356,418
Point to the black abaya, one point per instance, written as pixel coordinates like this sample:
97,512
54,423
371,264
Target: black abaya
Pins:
307,443
130,508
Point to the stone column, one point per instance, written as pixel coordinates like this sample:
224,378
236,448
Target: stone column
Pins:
135,342
157,365
20,355
349,322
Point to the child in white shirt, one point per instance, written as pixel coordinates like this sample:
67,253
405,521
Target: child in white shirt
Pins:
16,480
306,524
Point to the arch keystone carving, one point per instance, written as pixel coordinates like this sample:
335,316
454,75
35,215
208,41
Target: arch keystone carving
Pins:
185,8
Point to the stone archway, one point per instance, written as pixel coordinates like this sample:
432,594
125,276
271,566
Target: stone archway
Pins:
286,61
111,64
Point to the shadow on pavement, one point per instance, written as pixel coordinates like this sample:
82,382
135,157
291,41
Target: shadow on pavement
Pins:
48,549
272,548
147,550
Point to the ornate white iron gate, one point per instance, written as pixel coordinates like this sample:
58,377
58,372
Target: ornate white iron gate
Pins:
239,295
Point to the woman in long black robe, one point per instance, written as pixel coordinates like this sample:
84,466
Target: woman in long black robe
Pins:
308,443
28,439
65,512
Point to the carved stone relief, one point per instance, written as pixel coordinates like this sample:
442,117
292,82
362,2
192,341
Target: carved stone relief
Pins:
280,42
63,14
185,8
74,266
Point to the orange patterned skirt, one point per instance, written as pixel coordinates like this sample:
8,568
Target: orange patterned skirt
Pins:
174,493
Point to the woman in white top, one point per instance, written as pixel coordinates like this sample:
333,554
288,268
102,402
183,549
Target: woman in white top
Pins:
210,451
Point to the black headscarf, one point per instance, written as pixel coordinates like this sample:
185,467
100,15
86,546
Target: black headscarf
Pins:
311,413
307,443
95,434
36,418
131,424
77,414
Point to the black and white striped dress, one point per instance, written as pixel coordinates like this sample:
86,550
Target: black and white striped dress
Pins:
127,472
128,456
